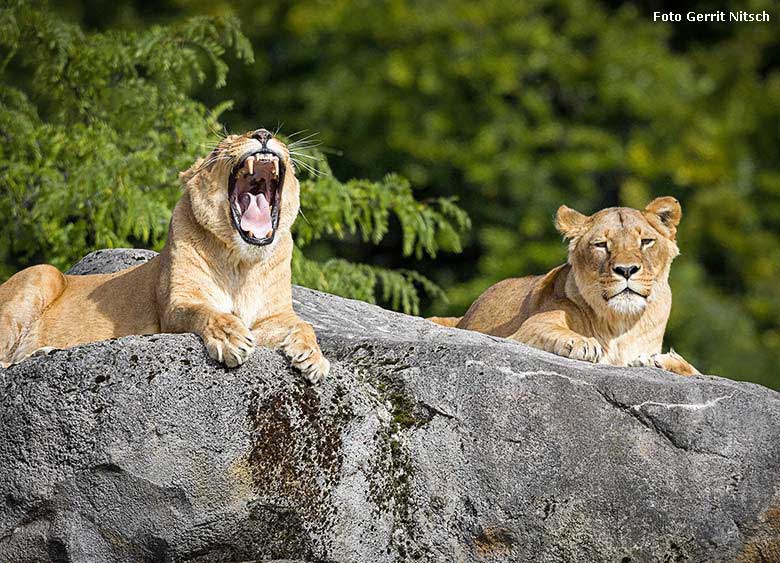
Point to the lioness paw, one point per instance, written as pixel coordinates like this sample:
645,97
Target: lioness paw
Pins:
305,354
672,362
314,368
579,348
642,360
228,340
45,351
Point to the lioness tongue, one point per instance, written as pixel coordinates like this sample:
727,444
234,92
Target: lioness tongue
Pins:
256,218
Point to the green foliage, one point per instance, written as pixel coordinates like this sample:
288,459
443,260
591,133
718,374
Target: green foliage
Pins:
335,209
96,127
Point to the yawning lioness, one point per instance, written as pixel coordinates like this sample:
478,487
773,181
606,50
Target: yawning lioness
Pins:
223,274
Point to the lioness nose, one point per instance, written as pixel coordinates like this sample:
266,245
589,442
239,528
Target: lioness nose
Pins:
626,271
262,135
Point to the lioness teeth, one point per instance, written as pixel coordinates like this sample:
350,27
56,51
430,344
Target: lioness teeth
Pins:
263,157
267,235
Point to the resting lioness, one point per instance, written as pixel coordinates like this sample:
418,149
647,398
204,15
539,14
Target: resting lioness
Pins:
224,273
608,304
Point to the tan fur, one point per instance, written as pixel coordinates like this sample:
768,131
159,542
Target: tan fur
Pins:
573,310
445,321
206,280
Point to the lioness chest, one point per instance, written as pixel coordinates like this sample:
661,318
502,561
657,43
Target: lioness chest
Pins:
253,295
620,351
624,346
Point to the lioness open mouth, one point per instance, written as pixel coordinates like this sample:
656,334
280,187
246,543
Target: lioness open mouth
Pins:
255,196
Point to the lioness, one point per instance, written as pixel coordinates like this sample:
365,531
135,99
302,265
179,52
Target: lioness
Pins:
608,304
223,274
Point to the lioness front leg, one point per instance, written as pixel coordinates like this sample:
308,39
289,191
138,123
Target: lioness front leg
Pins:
297,340
226,337
548,332
672,362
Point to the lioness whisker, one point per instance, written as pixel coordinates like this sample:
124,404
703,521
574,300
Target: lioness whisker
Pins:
296,133
307,137
296,158
309,143
309,156
309,168
215,158
221,133
303,147
211,160
301,164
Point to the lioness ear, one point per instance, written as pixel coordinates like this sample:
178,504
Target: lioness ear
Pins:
187,175
569,222
667,212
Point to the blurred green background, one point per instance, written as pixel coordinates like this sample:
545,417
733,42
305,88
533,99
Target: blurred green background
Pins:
516,108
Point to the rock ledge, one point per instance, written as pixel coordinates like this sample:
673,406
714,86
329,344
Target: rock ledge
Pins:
424,444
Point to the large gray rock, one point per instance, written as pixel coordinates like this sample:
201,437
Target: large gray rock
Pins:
424,444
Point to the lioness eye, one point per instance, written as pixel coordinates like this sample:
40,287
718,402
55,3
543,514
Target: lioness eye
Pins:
601,244
647,242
